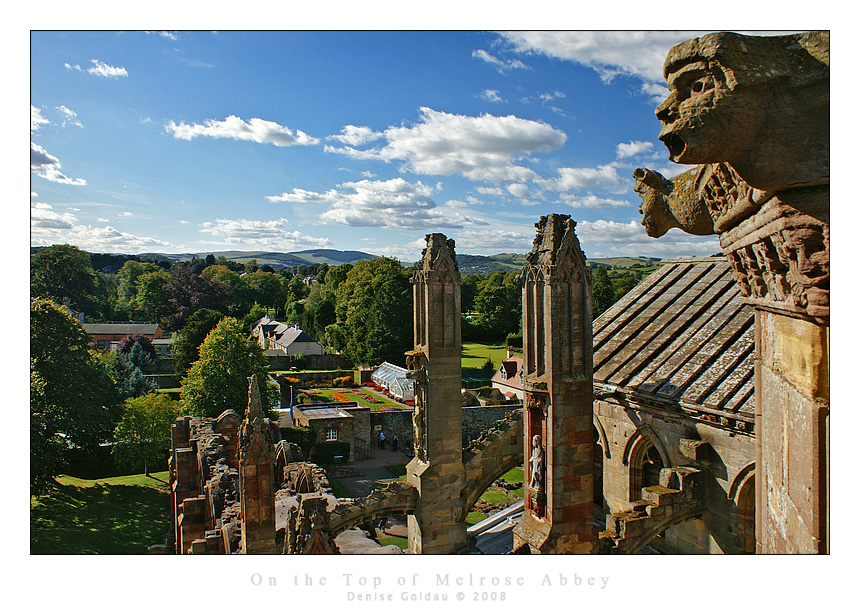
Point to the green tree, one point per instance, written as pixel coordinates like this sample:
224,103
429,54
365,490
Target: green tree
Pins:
218,380
130,379
602,291
127,287
267,289
74,401
64,273
374,312
142,436
187,292
499,307
151,299
186,349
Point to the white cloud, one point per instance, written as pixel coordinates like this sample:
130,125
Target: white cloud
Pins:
255,129
393,203
479,148
604,176
101,69
634,148
491,190
70,116
49,227
492,96
591,201
268,234
36,119
603,238
496,241
501,65
127,214
639,54
102,220
43,216
76,67
183,221
48,167
173,36
519,190
355,135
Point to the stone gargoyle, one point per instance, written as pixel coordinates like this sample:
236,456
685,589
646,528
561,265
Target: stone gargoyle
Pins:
754,113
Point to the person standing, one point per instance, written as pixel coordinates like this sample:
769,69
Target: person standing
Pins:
394,444
382,440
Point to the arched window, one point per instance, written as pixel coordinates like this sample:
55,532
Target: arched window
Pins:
644,456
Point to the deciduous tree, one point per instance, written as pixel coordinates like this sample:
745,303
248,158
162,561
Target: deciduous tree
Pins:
142,435
74,401
218,380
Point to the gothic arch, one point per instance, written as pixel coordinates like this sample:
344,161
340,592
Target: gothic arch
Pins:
602,440
636,457
742,500
743,476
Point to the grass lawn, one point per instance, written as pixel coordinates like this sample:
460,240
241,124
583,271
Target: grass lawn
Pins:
385,539
474,355
476,516
338,489
494,497
398,470
121,515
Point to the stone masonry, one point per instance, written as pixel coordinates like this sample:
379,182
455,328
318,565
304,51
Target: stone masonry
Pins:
557,384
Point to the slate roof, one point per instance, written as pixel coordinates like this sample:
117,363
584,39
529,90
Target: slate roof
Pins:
683,335
96,328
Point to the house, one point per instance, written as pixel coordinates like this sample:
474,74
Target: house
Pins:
336,422
109,335
276,338
508,379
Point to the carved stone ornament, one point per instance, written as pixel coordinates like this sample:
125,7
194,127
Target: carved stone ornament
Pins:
754,113
556,255
537,466
417,372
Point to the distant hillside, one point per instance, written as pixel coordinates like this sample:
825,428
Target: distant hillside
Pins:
275,259
514,262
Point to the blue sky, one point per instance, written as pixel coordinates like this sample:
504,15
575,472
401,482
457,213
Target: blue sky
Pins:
201,141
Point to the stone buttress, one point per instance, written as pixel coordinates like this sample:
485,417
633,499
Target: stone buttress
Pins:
557,385
256,478
438,524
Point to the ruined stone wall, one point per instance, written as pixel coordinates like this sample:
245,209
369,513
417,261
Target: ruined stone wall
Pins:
725,455
393,423
478,419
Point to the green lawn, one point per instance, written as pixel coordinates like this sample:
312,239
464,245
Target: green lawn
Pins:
121,515
385,539
474,355
381,400
398,470
476,516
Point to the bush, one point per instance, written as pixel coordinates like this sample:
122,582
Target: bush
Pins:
303,436
325,452
515,341
343,381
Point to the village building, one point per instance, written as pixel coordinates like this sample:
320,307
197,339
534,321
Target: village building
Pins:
508,379
107,336
278,339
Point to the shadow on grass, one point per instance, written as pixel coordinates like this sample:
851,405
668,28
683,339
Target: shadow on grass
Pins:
103,519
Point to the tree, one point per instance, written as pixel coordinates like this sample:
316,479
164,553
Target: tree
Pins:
127,287
187,292
218,380
267,289
129,376
602,291
374,312
151,300
74,401
64,273
186,349
142,436
499,307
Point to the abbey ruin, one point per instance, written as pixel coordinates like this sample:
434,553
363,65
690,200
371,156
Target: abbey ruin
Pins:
695,411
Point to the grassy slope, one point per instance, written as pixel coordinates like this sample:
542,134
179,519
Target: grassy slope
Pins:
117,516
474,354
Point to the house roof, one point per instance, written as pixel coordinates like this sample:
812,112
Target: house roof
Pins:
509,368
284,334
97,328
682,335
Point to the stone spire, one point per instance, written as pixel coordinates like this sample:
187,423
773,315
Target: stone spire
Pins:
557,386
256,476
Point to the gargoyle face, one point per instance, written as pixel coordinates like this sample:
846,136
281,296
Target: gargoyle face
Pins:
656,217
704,120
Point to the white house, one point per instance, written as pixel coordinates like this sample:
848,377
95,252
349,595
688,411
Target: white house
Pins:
280,339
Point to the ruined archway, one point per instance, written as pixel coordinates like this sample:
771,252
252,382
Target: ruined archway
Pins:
644,457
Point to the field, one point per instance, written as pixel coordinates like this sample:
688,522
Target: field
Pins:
475,355
121,515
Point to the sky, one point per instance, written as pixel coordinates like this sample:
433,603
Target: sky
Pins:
204,141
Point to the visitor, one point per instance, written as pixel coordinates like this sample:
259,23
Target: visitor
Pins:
394,444
382,440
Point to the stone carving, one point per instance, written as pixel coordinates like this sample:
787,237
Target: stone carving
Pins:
760,104
417,372
309,530
753,113
537,465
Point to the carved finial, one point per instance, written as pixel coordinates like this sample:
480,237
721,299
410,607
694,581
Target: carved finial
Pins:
255,406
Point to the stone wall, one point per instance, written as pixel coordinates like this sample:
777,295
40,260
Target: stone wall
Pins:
393,423
726,455
478,419
322,362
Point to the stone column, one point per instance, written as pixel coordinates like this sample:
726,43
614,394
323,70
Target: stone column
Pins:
256,478
557,384
438,525
754,114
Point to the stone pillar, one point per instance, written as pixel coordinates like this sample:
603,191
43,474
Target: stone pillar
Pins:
557,384
754,114
780,258
256,478
438,525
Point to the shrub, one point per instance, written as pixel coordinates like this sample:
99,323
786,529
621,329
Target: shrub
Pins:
515,341
303,436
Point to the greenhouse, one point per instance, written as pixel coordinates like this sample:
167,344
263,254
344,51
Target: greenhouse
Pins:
394,379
